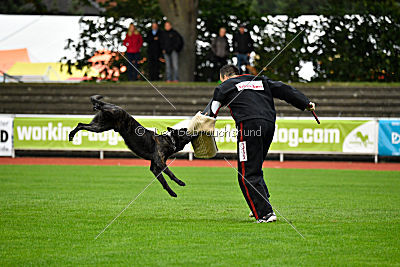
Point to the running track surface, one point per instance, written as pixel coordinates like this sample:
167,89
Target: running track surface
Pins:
203,163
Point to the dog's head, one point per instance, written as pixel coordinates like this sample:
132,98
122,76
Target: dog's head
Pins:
181,137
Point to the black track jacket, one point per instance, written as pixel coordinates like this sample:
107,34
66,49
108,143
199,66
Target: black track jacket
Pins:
249,99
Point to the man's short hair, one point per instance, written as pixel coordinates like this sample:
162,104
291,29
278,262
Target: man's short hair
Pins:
229,70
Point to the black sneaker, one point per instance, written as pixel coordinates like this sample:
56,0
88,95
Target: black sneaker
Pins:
270,217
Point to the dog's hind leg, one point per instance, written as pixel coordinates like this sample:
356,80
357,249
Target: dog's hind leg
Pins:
171,175
157,170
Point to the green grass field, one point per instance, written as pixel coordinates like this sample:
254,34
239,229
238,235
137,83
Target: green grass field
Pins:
50,215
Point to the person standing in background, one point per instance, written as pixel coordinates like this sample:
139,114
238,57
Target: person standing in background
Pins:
154,51
242,47
220,49
133,42
171,45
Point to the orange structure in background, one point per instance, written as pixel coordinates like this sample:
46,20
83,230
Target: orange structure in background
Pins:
102,63
9,57
109,64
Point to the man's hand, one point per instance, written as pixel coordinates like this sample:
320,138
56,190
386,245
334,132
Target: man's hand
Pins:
311,106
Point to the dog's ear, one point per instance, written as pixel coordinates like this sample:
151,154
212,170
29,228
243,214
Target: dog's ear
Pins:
170,129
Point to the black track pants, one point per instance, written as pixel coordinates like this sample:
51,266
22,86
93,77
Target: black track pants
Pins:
254,138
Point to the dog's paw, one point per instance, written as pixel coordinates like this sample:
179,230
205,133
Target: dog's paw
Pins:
181,183
172,194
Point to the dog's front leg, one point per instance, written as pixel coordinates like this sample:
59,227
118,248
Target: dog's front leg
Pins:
92,127
157,169
74,131
171,175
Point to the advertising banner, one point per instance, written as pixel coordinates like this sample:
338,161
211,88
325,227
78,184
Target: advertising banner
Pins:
304,135
6,136
52,133
389,137
291,135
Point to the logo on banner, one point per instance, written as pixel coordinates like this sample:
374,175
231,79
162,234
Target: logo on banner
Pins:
361,139
3,136
6,136
389,137
253,85
395,138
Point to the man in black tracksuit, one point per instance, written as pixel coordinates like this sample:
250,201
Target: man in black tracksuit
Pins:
154,51
171,45
242,47
250,100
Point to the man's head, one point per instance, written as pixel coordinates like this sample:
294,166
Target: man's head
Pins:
154,26
222,32
167,26
227,72
242,28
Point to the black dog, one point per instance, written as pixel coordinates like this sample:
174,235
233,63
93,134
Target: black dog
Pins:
143,142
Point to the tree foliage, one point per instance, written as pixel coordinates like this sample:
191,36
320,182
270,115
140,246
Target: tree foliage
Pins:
108,31
22,7
212,16
342,48
358,48
295,8
347,41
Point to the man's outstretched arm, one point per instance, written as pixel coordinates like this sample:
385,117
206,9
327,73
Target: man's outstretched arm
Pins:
290,94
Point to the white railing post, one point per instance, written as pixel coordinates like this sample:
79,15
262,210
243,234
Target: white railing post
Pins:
376,141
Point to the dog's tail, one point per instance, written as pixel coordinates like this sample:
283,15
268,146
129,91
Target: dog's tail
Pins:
97,103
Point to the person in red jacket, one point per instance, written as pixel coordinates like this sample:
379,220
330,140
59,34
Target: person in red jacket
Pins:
133,42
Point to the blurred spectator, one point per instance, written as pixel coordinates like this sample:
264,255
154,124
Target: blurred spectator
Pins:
242,47
133,42
220,49
171,44
154,51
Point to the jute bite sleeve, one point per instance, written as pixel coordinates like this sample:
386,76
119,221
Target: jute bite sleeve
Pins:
204,145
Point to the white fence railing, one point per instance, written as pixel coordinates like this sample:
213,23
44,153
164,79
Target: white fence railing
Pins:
293,135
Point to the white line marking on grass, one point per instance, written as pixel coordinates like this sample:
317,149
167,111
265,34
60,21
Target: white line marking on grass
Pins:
133,200
267,200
